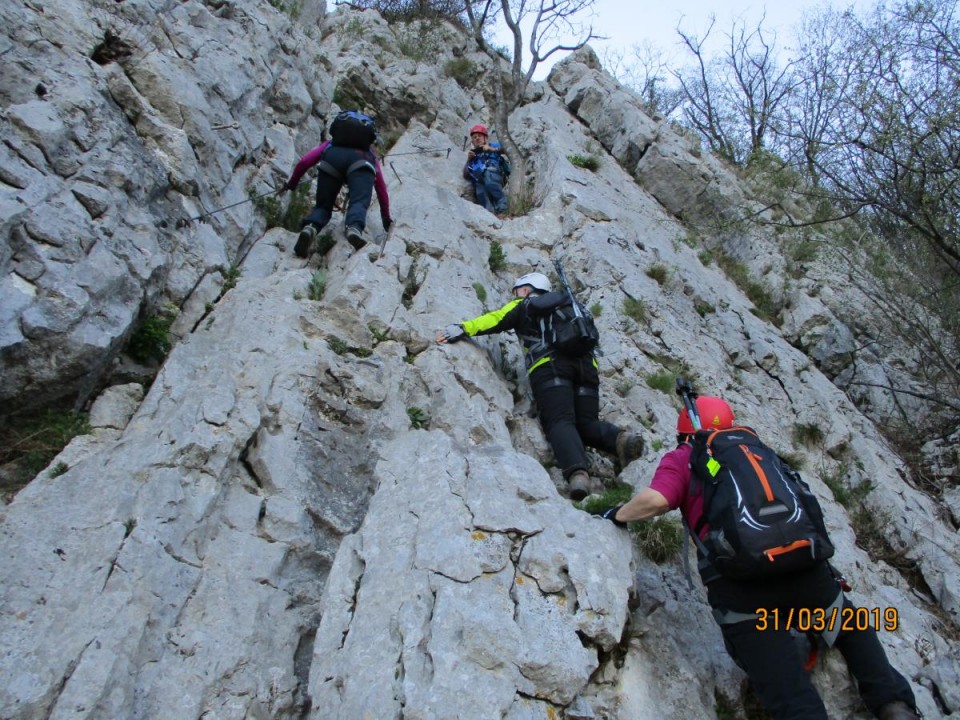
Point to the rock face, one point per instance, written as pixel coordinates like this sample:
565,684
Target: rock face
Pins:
314,510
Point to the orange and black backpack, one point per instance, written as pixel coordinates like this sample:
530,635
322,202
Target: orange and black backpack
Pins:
763,519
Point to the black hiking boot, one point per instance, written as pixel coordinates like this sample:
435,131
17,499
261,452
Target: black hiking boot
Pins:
307,235
355,237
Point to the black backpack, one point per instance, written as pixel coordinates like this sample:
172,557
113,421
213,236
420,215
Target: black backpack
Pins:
353,129
764,521
569,334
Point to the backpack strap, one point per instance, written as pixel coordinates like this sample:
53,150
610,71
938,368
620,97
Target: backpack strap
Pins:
363,164
325,167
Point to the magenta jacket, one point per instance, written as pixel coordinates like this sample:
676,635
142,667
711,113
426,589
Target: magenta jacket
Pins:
379,184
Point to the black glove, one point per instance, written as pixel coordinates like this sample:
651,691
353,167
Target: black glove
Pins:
454,332
610,513
387,223
288,186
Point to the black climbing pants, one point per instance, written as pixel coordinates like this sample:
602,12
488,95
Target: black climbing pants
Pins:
341,165
567,392
772,659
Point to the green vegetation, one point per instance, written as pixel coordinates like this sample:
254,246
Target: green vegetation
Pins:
596,310
634,309
702,307
28,443
658,272
463,71
846,496
757,292
623,388
659,539
340,347
807,434
152,340
497,260
275,215
418,418
481,292
664,381
586,162
230,277
290,7
317,286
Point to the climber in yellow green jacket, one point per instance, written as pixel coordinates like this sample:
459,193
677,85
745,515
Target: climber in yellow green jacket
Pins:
566,387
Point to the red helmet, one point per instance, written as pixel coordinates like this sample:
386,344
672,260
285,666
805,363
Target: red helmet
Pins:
714,414
479,129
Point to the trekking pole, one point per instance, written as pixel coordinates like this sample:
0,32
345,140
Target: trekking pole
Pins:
420,152
689,396
577,313
396,173
227,207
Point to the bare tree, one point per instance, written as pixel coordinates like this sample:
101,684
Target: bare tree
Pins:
542,28
892,145
647,73
734,100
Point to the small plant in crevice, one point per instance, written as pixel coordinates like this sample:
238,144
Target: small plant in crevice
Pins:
230,277
623,388
462,70
481,292
658,272
496,260
807,434
274,213
634,309
411,286
61,468
703,308
585,162
340,347
656,444
846,496
662,380
317,286
379,335
152,341
596,310
419,420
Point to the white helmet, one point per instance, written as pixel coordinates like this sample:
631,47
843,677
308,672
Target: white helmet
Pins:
538,281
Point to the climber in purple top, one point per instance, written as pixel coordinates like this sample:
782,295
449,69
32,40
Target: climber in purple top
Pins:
348,157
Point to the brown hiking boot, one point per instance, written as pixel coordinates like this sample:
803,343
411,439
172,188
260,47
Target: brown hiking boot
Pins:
629,448
898,710
578,485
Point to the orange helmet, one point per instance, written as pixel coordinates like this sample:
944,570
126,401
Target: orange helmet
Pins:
714,414
479,129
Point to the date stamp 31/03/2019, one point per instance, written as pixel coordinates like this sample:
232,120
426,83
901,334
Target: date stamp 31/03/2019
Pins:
844,619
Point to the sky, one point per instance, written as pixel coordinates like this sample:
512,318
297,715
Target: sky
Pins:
632,22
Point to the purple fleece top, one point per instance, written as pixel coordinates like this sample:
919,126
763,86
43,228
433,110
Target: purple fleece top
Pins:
672,480
313,157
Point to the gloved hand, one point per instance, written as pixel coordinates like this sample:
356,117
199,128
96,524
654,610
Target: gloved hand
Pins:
453,332
288,186
610,513
387,223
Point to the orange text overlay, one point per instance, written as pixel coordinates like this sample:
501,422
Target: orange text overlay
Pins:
827,620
